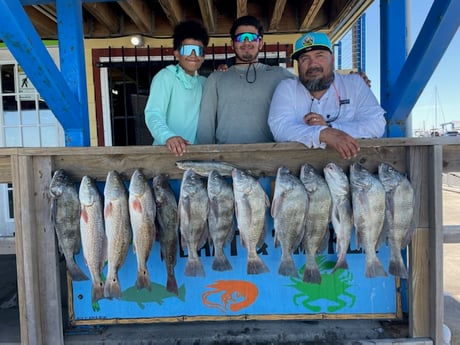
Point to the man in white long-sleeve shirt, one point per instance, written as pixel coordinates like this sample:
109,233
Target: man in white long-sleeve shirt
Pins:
321,107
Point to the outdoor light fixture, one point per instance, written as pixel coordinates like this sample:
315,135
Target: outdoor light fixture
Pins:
137,40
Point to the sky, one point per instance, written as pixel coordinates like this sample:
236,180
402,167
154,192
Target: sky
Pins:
444,82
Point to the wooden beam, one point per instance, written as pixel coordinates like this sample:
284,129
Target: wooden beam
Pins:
241,8
139,12
207,13
104,14
310,15
45,26
173,10
277,14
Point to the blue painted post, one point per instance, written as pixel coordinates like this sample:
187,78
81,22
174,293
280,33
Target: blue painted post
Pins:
25,44
393,54
72,63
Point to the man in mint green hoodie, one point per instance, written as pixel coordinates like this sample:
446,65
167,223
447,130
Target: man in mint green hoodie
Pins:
173,106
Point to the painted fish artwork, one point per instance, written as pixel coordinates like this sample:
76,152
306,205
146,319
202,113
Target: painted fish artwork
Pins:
65,215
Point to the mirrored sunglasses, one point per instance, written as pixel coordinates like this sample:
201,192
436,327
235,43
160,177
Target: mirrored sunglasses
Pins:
187,49
251,37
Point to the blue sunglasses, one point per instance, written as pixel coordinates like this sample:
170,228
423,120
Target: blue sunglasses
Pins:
250,36
187,49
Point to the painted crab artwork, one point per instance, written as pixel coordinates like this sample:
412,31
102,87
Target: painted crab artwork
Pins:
332,292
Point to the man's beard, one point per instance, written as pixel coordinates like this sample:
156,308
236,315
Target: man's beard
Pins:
248,57
317,84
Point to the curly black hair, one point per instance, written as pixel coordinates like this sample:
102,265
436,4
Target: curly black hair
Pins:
189,29
246,20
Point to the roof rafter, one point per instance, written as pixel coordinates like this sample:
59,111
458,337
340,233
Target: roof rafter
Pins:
207,13
310,15
105,15
139,12
173,10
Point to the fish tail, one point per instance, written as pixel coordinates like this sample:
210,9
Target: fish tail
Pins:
112,288
341,263
143,279
256,265
97,291
171,284
311,273
287,267
75,271
221,263
374,268
194,268
396,266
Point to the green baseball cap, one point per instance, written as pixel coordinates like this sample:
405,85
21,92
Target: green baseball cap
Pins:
311,41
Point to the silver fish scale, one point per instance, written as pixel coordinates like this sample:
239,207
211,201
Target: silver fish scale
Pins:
193,213
251,203
94,240
318,215
399,215
118,230
289,211
368,199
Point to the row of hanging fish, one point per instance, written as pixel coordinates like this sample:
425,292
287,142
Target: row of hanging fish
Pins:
105,227
378,206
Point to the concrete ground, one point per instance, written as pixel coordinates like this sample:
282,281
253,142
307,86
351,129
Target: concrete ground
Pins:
244,332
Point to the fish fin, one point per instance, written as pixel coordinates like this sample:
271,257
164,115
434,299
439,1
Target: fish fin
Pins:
255,265
396,266
374,268
287,267
221,263
325,241
84,215
276,205
75,271
194,268
108,210
112,288
97,291
136,205
143,280
311,273
171,284
341,263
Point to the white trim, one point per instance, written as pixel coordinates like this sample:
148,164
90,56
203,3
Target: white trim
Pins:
105,101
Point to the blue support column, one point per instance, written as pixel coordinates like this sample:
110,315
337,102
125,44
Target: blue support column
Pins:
72,63
393,54
24,43
437,31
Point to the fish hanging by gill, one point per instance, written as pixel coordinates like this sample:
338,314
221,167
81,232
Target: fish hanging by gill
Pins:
93,238
400,203
220,218
65,215
251,203
118,230
193,213
316,234
289,210
368,200
142,213
203,168
341,212
168,227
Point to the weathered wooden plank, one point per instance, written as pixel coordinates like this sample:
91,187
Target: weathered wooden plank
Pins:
425,251
26,251
49,277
